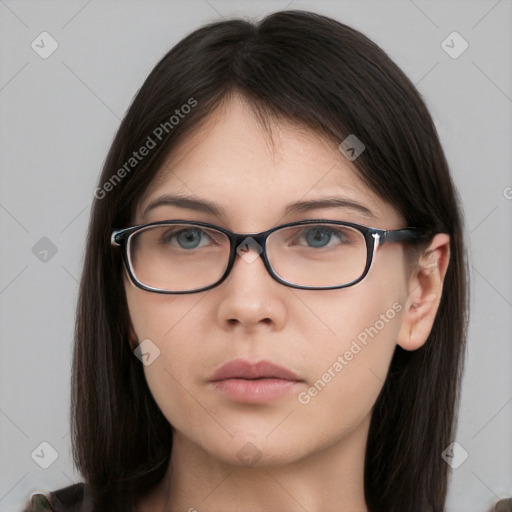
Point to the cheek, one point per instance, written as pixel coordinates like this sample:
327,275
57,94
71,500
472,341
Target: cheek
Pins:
175,379
154,315
169,322
349,368
356,332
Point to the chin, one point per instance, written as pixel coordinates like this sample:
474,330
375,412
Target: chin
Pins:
256,451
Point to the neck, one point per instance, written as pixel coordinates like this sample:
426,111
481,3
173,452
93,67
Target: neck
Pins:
331,479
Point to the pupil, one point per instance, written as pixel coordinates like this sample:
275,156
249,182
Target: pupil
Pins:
319,235
188,236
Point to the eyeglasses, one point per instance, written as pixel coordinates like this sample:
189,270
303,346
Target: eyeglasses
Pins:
180,256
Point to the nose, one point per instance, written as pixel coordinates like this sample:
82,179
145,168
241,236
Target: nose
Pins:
250,297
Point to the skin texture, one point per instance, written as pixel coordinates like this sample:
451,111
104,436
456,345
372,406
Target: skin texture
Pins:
311,455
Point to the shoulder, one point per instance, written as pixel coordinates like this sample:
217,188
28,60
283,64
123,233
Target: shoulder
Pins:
67,499
74,498
504,505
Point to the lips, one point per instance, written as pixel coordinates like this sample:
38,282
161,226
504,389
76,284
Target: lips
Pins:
241,369
254,383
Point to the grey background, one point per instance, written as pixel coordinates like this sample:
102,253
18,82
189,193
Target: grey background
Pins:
59,116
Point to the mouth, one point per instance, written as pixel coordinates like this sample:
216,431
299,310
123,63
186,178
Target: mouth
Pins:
259,382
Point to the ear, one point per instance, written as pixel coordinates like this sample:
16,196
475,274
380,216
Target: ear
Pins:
424,293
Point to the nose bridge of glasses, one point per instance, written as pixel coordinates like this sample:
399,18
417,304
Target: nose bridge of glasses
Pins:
250,246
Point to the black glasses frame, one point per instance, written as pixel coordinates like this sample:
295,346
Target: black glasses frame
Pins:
374,237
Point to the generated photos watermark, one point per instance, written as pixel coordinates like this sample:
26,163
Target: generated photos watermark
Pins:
344,359
147,352
152,140
351,147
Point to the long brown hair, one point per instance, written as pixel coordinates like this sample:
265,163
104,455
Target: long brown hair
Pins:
322,74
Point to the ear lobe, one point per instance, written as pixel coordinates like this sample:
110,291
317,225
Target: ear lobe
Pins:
424,293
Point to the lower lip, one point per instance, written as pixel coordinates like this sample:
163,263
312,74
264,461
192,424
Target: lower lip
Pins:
255,391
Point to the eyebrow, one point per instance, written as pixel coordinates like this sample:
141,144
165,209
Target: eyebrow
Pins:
203,205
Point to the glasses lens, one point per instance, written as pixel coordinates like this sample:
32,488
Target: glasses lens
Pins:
178,257
318,254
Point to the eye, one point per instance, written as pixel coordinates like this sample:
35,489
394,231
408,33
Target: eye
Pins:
189,238
321,236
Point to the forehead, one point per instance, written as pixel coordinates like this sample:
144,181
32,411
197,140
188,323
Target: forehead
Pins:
254,172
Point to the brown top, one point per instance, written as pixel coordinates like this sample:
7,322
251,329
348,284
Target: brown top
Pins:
67,499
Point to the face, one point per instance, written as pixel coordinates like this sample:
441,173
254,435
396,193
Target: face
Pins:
338,343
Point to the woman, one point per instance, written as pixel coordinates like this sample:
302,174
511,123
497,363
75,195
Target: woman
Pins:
272,312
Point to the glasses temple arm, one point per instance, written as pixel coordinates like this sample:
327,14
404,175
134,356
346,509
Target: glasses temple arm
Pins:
405,235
